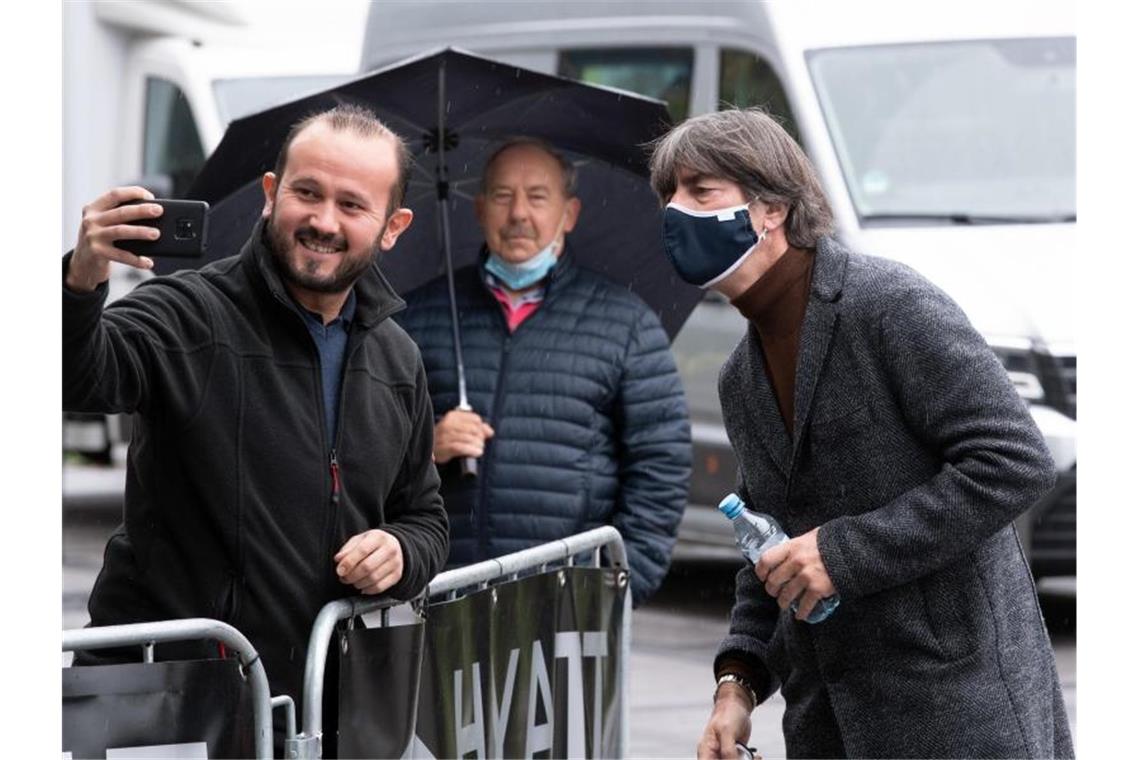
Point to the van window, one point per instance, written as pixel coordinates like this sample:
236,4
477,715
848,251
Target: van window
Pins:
747,80
954,132
700,348
665,73
172,145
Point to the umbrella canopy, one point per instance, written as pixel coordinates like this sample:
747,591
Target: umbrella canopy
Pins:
602,131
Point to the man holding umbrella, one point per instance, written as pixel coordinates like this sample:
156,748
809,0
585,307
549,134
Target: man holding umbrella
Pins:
577,413
251,498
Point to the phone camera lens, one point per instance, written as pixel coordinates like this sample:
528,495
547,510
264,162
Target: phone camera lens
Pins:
184,229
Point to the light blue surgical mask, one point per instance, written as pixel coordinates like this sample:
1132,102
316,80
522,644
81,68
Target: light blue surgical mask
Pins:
524,274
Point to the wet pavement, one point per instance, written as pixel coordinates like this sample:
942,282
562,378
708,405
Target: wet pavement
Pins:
676,634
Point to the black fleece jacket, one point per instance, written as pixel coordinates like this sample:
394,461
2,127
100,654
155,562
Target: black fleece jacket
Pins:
231,508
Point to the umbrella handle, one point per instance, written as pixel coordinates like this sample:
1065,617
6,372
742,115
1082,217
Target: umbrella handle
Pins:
468,466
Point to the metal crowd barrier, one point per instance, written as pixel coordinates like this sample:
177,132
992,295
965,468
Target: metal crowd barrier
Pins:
307,744
147,635
452,584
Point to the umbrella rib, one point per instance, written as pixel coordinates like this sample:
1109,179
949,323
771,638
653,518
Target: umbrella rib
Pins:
429,180
426,191
467,180
546,96
427,174
509,102
411,126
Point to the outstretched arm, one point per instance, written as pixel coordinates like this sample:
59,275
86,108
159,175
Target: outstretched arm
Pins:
113,359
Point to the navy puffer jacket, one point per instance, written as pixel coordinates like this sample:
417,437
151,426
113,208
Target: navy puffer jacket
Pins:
591,425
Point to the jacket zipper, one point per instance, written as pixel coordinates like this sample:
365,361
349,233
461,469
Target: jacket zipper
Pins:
505,356
335,482
330,531
481,503
336,477
336,485
334,471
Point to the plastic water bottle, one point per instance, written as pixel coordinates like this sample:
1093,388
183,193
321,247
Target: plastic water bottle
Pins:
756,533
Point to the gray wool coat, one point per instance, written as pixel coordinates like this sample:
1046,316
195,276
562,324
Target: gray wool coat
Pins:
912,453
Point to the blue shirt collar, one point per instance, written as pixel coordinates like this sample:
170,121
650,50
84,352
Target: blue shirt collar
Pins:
347,312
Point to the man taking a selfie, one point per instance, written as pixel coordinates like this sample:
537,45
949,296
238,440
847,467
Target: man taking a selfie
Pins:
281,453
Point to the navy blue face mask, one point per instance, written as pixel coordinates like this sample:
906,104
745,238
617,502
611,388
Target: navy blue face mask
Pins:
707,246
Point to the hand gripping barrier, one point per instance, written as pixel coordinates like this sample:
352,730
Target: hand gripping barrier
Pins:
149,634
453,584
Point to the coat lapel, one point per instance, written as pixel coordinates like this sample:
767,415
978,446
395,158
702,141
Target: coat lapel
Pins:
815,335
762,409
815,338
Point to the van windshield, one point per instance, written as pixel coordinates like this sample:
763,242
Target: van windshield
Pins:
954,132
664,73
242,96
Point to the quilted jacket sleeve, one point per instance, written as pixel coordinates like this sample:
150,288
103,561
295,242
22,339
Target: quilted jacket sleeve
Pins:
957,399
655,455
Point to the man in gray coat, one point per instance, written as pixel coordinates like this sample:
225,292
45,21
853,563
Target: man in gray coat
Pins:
875,424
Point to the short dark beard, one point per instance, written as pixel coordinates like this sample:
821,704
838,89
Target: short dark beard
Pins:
343,278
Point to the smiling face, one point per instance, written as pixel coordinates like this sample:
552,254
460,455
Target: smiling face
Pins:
523,206
326,213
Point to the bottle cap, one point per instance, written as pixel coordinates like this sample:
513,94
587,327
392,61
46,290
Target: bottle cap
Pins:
731,506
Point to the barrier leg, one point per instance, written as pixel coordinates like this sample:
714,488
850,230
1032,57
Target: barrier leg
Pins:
285,704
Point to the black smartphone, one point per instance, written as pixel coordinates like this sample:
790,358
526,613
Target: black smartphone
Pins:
182,230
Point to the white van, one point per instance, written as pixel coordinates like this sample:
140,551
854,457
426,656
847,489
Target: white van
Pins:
149,88
944,134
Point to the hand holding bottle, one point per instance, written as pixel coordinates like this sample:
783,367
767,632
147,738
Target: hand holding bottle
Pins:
794,573
786,567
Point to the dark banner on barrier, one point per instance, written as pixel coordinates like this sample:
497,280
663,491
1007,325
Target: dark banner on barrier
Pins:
531,666
379,681
198,708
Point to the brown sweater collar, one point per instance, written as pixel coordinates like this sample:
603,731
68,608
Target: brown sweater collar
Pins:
775,302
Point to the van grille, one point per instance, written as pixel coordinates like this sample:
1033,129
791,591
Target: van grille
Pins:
1058,375
1054,542
1068,366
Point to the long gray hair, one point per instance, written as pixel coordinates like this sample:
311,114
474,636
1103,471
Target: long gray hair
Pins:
748,147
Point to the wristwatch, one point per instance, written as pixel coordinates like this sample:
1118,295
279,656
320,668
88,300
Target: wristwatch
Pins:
739,681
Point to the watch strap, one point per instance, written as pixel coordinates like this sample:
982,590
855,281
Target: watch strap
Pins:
740,681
